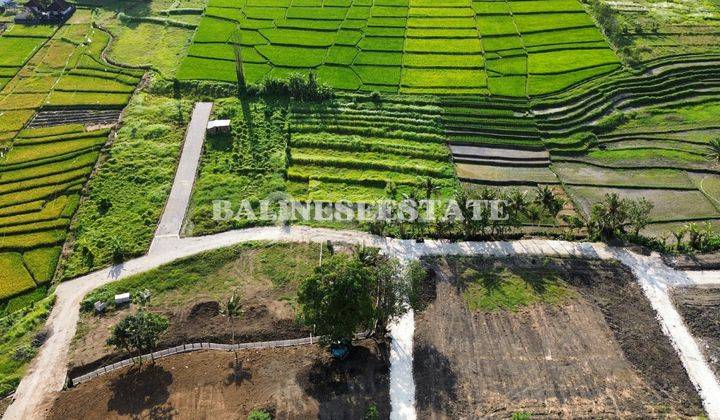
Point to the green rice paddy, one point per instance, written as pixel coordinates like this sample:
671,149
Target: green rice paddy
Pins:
515,48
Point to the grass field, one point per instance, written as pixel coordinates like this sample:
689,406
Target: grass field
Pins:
515,48
118,217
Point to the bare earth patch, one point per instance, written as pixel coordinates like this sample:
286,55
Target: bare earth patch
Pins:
294,383
598,353
700,307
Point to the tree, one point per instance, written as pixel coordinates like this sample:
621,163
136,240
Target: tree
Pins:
139,333
336,300
638,214
714,153
548,201
236,41
348,294
607,218
430,188
233,310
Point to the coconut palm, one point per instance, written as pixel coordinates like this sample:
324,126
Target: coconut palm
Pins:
233,310
714,153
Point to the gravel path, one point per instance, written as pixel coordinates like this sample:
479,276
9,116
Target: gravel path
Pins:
47,373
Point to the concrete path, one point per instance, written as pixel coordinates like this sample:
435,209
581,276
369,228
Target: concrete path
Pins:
177,205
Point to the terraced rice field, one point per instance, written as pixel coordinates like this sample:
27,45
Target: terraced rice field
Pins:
43,169
40,182
659,153
516,48
352,150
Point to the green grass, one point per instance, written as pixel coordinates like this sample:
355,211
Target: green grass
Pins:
130,189
247,164
16,332
511,290
217,273
14,277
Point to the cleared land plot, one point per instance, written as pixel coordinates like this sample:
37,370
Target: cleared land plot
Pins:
700,308
570,338
296,381
190,293
668,205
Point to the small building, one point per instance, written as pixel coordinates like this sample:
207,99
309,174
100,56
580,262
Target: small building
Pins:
45,11
218,127
122,299
100,307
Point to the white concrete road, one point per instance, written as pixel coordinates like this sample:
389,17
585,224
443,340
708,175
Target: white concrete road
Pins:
46,375
176,207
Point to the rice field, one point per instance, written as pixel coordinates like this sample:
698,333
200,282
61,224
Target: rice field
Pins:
516,48
40,182
43,170
353,151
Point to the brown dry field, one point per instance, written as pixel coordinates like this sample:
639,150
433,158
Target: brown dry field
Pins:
293,383
700,307
601,354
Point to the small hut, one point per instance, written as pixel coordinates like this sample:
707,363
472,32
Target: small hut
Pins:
218,127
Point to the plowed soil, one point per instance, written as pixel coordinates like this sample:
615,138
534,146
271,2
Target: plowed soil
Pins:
700,307
293,383
600,354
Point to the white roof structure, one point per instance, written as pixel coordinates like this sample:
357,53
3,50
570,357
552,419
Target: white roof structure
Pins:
218,124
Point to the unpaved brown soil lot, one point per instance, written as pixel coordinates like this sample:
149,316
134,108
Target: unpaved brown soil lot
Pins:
294,383
700,307
599,354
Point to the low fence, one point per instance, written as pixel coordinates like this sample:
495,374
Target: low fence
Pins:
186,348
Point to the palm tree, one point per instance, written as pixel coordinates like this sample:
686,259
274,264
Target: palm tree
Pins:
548,202
608,216
430,188
233,309
517,204
714,153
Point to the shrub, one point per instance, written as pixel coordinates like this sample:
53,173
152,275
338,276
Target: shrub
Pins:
259,415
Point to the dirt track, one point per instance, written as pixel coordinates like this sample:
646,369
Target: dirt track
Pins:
294,383
700,308
601,354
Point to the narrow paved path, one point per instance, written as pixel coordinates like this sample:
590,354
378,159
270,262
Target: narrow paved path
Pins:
46,374
177,204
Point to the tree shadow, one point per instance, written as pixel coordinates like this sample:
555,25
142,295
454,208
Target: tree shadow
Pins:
346,388
435,381
141,388
238,374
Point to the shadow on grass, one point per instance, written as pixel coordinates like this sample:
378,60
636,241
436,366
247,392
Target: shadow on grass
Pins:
142,388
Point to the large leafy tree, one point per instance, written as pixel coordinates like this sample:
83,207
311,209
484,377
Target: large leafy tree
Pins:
351,293
139,333
336,300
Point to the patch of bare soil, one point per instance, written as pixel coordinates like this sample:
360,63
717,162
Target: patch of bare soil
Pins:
700,307
601,354
4,404
266,318
294,383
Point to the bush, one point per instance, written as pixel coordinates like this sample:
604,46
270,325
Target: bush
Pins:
259,415
297,86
